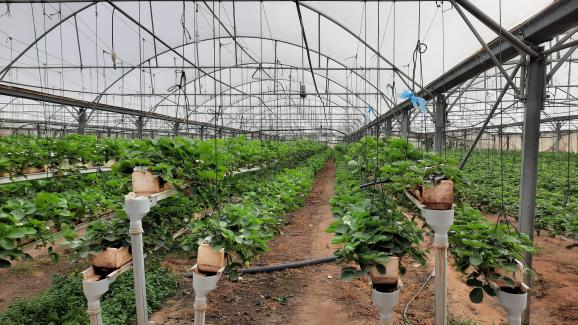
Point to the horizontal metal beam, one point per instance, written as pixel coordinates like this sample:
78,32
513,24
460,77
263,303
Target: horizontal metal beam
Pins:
154,67
515,124
496,27
556,19
72,1
50,98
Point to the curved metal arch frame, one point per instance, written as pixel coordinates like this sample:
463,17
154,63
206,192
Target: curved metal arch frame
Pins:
5,70
397,70
278,99
274,100
224,68
213,96
267,80
331,19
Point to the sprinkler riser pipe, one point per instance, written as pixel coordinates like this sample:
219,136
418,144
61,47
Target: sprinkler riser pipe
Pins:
136,208
385,301
440,221
139,276
93,291
515,304
202,286
94,312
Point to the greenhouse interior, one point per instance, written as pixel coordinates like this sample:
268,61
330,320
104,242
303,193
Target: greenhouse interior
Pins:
289,162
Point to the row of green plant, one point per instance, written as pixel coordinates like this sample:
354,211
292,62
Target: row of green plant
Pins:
102,181
169,216
481,249
64,302
244,229
45,207
22,152
369,226
259,192
497,186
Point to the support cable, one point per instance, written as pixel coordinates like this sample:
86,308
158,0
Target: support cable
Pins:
309,55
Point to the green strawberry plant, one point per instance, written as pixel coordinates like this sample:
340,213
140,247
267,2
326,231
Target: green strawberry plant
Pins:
244,229
369,228
480,248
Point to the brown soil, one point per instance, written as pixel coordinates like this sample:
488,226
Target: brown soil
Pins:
30,278
555,288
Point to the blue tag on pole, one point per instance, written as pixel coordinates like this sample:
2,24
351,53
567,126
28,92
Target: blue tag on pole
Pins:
416,101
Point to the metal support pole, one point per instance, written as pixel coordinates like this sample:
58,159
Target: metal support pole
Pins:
81,121
558,136
136,208
530,146
139,127
497,28
440,122
405,124
387,127
177,128
38,130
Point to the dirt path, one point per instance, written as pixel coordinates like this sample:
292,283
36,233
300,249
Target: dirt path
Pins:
460,308
317,305
312,295
30,278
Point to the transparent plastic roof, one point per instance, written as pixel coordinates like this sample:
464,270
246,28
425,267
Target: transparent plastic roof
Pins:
242,64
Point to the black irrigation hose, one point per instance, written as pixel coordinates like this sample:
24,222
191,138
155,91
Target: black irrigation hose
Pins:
290,265
281,267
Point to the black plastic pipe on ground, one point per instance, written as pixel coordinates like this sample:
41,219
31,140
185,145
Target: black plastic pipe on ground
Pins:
283,266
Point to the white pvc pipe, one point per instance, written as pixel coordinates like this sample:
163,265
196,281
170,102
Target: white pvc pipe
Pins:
94,313
385,301
203,285
515,304
440,221
136,208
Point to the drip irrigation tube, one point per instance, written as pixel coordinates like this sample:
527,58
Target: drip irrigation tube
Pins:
376,182
290,265
284,266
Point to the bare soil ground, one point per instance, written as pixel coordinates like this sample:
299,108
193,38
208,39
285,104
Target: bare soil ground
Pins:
555,288
30,278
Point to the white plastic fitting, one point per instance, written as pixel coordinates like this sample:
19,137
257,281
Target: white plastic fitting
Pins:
94,288
385,301
440,221
203,285
136,208
93,291
515,304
